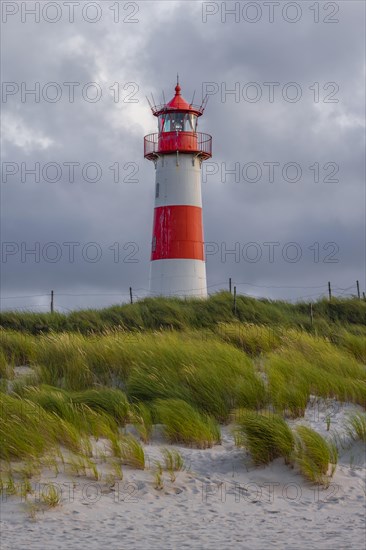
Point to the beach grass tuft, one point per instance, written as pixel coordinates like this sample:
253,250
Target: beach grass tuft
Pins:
314,455
185,424
356,426
266,436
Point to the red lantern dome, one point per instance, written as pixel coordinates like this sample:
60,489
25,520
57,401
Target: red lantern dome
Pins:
177,129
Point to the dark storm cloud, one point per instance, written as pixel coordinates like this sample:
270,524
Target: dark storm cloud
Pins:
171,37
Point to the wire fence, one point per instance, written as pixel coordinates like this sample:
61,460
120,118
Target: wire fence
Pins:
324,291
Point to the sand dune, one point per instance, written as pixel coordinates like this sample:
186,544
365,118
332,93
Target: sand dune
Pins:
220,500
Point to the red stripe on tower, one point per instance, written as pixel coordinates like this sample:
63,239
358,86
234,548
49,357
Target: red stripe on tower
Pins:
177,233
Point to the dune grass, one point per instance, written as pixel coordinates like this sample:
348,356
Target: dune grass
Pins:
356,426
98,411
156,365
186,364
141,418
354,344
61,359
184,424
6,367
173,460
27,430
266,436
51,496
130,451
314,455
307,366
17,348
252,339
108,400
157,313
46,417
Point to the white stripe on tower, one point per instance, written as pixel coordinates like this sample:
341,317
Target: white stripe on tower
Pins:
178,184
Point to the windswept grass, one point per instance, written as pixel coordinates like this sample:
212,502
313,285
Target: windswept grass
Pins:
184,363
108,400
307,366
17,348
184,424
131,452
90,413
269,437
45,418
173,460
252,339
6,368
356,426
314,455
51,495
265,436
62,362
27,431
51,399
354,344
321,353
220,378
213,376
140,416
157,313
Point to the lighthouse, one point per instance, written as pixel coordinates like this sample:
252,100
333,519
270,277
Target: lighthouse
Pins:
177,249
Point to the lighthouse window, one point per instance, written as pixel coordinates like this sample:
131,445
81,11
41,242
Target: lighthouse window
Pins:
153,244
164,123
157,190
177,120
190,122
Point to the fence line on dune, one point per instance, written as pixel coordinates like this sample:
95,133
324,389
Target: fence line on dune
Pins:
327,290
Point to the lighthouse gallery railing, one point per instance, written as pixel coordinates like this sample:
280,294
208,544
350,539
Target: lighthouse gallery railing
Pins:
184,142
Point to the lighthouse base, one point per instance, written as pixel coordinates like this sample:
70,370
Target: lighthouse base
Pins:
178,277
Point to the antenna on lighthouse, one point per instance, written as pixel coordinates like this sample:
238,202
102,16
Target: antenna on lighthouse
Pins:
194,93
177,79
149,102
153,100
164,98
204,103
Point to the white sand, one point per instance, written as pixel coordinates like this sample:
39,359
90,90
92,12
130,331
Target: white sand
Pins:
222,501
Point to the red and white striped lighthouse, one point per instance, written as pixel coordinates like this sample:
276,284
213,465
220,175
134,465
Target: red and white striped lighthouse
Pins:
177,253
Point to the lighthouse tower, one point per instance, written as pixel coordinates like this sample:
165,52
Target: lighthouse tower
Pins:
177,150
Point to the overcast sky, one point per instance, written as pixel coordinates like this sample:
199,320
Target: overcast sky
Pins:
295,147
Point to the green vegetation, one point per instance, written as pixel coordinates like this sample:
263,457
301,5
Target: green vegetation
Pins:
131,452
252,339
307,366
173,313
268,437
141,417
27,431
51,496
108,400
173,460
265,436
184,424
356,426
314,455
185,364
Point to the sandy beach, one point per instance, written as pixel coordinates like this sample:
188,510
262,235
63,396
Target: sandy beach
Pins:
219,500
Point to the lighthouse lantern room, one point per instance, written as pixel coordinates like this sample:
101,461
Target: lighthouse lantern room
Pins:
178,150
